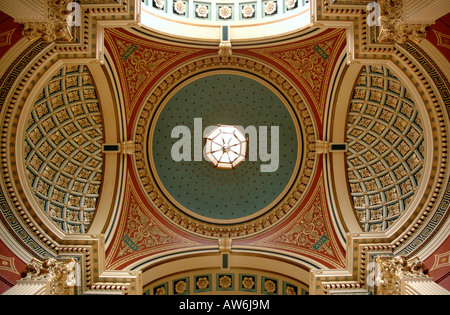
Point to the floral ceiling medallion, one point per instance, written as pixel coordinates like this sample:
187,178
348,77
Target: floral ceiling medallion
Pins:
225,12
202,11
180,7
270,7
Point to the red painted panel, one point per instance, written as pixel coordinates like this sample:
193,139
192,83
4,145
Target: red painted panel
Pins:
11,268
439,35
438,264
10,33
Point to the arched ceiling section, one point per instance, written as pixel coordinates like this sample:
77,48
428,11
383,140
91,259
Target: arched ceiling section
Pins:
250,274
386,148
63,149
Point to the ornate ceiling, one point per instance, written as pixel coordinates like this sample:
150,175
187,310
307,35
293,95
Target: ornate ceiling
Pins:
386,148
90,129
63,149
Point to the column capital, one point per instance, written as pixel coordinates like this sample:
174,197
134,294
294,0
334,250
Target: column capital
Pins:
393,269
394,29
60,274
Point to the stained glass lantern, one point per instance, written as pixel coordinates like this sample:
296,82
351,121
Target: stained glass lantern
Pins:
226,147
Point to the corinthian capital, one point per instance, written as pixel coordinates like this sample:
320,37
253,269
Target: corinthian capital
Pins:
394,27
55,28
60,274
393,269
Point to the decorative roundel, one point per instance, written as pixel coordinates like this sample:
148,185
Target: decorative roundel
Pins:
224,152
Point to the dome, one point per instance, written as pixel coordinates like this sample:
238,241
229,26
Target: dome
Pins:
241,20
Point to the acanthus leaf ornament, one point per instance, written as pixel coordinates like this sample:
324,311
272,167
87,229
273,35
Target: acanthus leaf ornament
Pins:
55,28
393,269
393,27
60,274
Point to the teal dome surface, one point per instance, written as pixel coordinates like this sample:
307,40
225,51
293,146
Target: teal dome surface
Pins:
224,195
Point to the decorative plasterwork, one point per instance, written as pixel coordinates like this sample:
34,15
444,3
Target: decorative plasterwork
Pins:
55,28
393,27
184,221
140,232
60,274
436,212
25,11
216,10
13,211
225,49
5,38
386,148
310,62
139,63
237,99
393,269
432,211
408,57
62,145
309,233
237,282
26,67
89,252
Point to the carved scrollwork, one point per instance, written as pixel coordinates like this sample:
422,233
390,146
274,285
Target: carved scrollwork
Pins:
225,49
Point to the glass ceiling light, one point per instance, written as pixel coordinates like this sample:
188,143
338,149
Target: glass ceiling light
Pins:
226,147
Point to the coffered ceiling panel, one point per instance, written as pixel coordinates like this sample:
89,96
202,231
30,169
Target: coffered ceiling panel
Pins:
63,149
386,148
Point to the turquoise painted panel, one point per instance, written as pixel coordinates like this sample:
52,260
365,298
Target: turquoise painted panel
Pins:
224,194
320,242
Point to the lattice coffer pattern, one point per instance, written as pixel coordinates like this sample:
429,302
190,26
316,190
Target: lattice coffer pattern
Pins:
63,149
386,148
